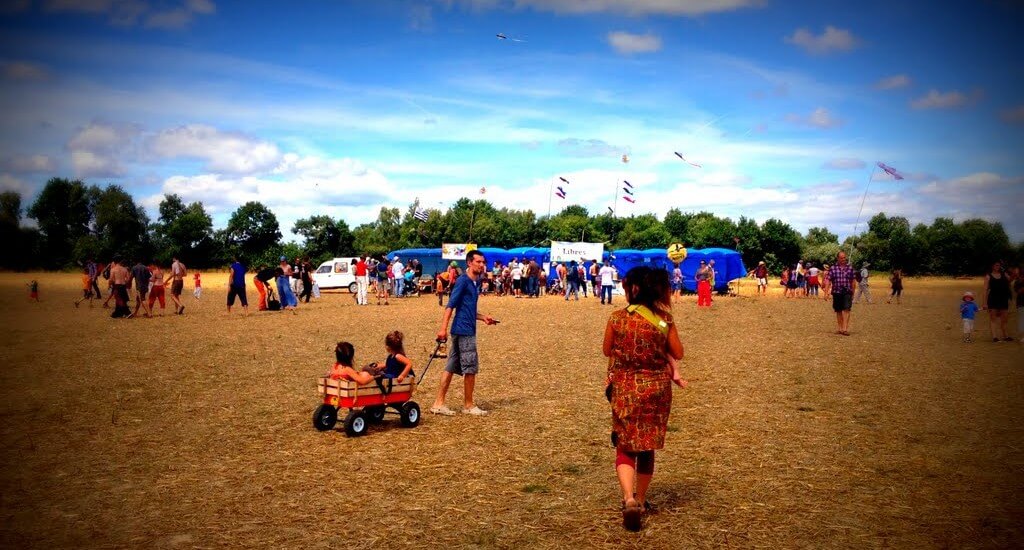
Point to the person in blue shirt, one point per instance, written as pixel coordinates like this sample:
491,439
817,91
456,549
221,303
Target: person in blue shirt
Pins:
463,359
237,286
967,311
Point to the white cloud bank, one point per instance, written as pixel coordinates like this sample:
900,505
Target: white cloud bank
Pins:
627,44
224,151
832,40
893,82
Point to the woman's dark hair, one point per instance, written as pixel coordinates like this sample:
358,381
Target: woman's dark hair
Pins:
278,272
344,353
648,287
394,342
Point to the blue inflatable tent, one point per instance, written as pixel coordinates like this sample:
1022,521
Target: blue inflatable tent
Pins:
728,263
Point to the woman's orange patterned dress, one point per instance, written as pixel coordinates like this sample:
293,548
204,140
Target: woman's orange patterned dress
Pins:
641,382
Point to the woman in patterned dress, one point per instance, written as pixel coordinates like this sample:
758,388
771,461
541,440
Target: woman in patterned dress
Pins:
643,345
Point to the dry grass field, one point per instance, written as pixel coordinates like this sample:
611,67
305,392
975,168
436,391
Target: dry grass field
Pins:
195,431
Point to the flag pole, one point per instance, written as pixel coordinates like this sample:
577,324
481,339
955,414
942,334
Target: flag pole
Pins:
861,210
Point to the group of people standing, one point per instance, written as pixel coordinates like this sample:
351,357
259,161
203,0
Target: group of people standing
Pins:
385,278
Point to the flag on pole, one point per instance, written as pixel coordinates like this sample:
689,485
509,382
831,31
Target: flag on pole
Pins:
626,189
629,199
420,214
630,185
890,170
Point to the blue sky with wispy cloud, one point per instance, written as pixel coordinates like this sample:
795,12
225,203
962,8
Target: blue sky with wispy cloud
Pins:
340,108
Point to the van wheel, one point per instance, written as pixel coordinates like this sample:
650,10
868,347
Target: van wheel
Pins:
324,417
353,288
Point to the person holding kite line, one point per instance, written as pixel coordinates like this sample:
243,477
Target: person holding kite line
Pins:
643,346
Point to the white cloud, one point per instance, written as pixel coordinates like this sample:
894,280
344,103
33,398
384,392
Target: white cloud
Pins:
893,82
832,40
1013,115
935,99
819,118
574,147
11,183
97,149
28,164
24,70
844,164
627,43
633,7
128,13
223,151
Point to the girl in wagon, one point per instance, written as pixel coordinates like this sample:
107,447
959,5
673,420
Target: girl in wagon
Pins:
396,365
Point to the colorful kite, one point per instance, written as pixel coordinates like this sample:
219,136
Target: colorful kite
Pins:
686,161
563,179
629,199
890,170
630,185
626,189
501,36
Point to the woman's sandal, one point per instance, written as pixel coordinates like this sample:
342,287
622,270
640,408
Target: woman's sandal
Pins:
632,513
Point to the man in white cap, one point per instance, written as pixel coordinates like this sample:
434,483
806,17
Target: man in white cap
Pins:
761,274
863,288
398,270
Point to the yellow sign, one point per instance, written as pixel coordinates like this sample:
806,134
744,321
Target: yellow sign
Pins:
676,252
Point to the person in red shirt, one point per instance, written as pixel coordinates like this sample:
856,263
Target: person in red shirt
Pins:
198,292
362,281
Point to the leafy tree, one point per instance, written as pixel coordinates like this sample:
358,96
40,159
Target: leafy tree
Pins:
324,237
63,212
707,230
185,232
643,232
781,240
253,231
120,225
820,235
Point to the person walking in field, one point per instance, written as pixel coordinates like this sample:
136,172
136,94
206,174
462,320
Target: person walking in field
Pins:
997,302
142,277
761,274
463,357
842,283
896,280
236,286
643,345
157,289
607,275
119,278
87,283
94,272
863,284
968,309
362,281
177,280
703,277
197,286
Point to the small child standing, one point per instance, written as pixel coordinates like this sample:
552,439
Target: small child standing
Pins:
198,292
33,291
86,288
967,311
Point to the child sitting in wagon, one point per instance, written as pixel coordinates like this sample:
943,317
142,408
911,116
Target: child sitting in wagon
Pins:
396,365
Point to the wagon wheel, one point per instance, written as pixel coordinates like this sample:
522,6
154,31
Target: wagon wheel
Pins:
355,424
410,414
376,414
325,417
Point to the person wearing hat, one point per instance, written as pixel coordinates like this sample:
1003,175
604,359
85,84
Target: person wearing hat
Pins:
967,311
761,274
398,275
863,288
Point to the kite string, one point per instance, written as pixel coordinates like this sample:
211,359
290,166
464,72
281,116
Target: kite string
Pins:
862,199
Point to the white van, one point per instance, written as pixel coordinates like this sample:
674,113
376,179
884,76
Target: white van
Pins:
337,273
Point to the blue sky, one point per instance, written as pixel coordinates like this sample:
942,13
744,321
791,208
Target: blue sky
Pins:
339,108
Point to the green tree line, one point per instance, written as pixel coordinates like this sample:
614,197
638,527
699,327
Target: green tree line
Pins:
76,221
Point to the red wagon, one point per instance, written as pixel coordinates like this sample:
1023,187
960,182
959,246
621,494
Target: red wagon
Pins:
367,404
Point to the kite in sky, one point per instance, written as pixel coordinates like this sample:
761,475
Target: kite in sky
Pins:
610,211
627,190
890,170
501,36
629,199
563,179
686,161
630,185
